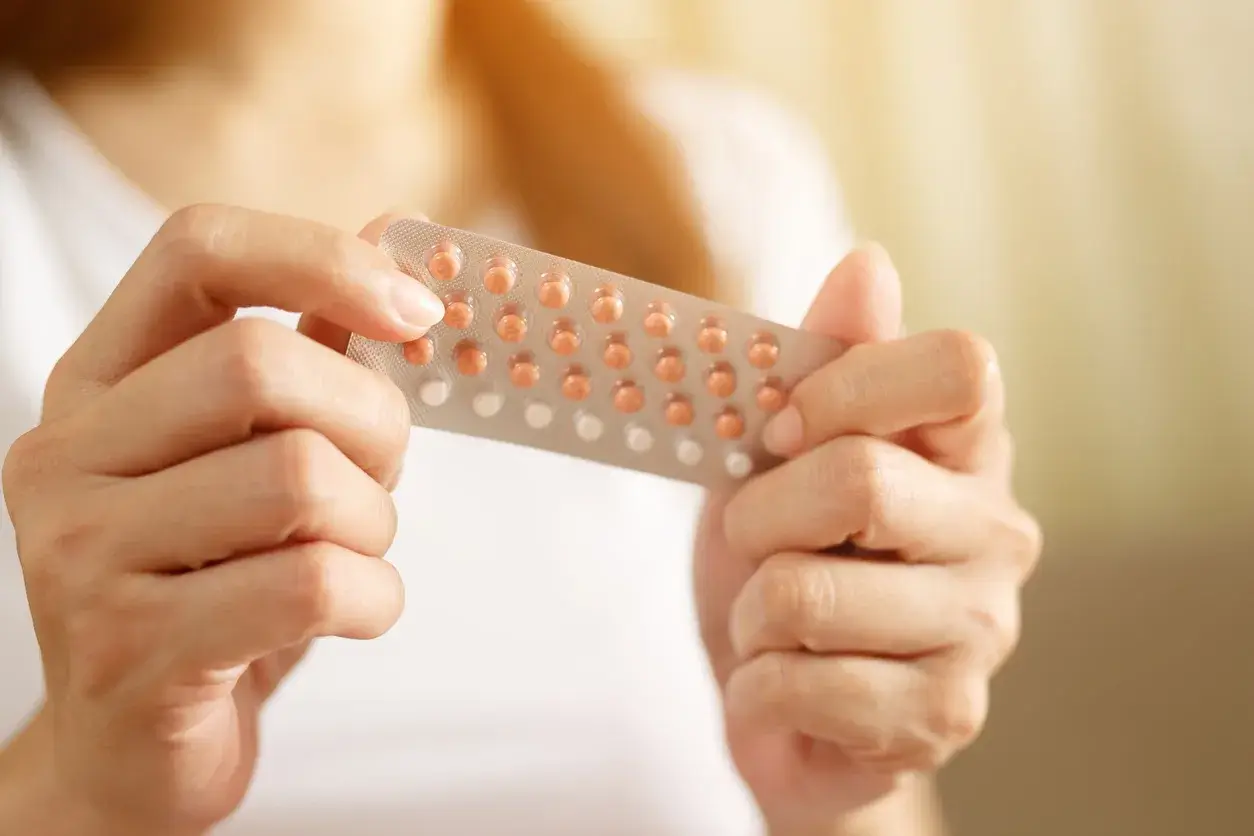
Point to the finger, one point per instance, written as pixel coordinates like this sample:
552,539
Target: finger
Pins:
881,497
978,442
833,605
937,377
333,336
269,671
242,610
881,713
221,387
861,300
209,261
292,486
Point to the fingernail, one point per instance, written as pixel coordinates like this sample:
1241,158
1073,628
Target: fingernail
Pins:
785,433
416,307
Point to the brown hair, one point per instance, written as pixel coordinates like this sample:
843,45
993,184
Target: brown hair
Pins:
595,180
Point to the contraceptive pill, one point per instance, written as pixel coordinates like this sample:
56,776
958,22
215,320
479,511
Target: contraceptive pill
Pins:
548,353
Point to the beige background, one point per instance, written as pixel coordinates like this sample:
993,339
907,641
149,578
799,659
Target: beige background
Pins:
1075,179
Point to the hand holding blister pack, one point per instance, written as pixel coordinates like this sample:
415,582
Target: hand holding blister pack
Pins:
553,354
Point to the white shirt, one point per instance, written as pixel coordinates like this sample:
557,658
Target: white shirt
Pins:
547,676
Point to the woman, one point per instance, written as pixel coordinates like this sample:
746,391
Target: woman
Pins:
203,495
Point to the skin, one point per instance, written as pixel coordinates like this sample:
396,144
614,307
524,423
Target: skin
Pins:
844,678
847,677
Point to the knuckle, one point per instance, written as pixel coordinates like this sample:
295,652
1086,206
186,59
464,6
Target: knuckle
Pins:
1019,539
915,753
797,599
876,744
1031,541
856,474
299,475
193,228
393,416
780,592
390,520
998,623
971,368
954,715
190,237
310,591
772,685
58,539
43,574
841,385
246,360
23,463
340,255
870,739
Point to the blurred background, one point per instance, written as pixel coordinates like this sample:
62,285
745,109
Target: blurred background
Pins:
1074,179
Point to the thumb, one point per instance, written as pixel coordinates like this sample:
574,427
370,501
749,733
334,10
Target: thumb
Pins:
333,336
861,300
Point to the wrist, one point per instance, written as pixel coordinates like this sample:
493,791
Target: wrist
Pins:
31,798
912,809
34,799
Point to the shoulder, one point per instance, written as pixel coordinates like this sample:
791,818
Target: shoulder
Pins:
764,184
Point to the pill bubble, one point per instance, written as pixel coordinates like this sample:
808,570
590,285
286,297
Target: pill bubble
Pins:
678,411
538,415
418,352
720,380
689,452
763,350
771,396
487,404
639,439
659,320
434,392
607,304
588,427
523,371
669,365
469,358
576,385
738,464
499,275
712,336
729,425
617,354
459,311
444,261
511,324
564,338
553,291
628,397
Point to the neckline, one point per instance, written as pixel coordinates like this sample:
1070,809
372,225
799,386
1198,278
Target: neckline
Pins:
57,152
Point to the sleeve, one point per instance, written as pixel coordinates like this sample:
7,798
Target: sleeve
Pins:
765,187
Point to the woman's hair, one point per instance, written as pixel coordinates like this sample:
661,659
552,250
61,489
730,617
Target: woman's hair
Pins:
594,179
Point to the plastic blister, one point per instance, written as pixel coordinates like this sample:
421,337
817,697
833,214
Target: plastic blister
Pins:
549,353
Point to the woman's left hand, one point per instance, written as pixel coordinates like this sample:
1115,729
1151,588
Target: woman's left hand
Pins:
843,674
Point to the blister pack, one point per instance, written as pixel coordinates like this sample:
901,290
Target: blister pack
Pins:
549,353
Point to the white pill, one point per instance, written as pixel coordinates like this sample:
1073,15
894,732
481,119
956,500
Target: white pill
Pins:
738,464
689,452
487,404
434,392
588,427
538,415
639,440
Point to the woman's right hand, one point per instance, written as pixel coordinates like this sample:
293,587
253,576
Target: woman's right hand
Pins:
203,496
